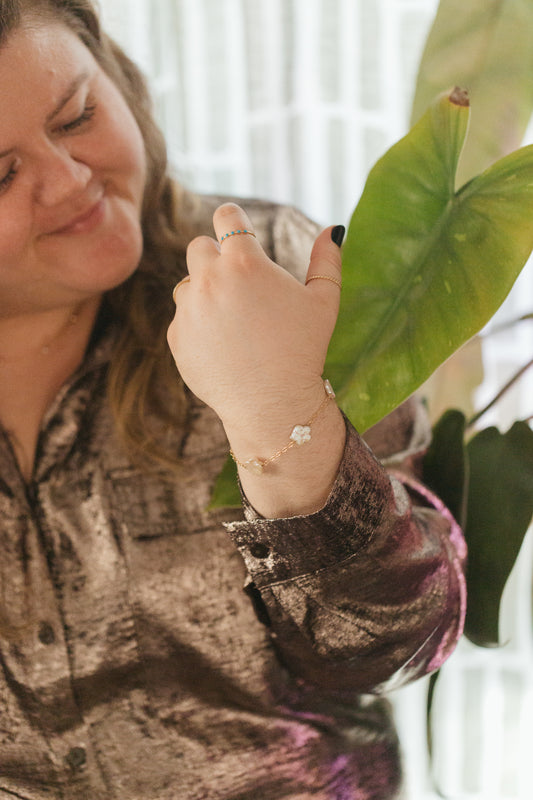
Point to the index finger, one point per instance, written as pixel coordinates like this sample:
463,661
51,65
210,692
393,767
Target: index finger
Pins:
233,227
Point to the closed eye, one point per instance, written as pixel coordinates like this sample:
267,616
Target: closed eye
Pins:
85,116
7,180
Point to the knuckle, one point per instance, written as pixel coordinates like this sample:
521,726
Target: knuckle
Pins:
198,241
243,264
198,246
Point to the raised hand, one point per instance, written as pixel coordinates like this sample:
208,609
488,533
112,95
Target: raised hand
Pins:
251,341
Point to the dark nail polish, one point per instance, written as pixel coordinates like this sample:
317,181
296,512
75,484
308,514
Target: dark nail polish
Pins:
337,234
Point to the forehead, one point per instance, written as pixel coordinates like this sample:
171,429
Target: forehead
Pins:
36,61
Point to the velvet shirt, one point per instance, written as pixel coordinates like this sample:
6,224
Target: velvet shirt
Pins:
169,652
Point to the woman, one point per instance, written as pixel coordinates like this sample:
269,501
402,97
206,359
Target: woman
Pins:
133,664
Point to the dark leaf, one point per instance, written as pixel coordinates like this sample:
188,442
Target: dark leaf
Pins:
445,464
432,685
500,507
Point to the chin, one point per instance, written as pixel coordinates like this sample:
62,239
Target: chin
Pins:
113,260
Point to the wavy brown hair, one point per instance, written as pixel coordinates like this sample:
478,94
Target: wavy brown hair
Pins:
144,389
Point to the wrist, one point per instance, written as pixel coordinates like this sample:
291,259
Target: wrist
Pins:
258,447
300,481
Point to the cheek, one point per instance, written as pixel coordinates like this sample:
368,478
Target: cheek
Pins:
126,151
134,154
15,235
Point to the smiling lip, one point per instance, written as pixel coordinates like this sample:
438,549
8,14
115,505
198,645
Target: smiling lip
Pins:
85,222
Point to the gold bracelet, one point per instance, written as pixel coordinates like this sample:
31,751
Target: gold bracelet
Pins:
300,435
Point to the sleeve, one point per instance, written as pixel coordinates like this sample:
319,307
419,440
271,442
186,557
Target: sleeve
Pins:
369,592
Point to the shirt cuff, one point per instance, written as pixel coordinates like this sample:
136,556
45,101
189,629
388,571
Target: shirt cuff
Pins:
281,549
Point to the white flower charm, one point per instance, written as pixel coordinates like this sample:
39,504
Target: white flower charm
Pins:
301,434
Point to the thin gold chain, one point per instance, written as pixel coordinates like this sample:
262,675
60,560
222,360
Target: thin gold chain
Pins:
257,465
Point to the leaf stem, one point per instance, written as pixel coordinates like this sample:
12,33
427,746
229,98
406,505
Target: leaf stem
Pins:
510,323
472,421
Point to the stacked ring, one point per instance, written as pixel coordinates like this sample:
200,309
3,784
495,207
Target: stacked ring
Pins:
236,233
336,281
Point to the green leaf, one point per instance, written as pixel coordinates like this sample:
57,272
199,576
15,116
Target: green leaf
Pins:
424,267
432,685
226,491
485,46
445,464
500,507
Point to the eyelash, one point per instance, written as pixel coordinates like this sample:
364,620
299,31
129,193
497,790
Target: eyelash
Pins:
85,116
7,180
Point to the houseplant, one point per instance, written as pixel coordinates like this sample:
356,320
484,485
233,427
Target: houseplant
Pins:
441,232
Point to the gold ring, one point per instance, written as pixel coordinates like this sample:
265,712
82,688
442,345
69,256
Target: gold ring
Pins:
177,286
336,281
236,233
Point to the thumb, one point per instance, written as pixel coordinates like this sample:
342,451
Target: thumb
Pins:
325,266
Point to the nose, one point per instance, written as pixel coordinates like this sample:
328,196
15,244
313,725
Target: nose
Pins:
62,177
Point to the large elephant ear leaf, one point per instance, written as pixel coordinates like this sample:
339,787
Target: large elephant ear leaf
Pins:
485,46
425,267
500,507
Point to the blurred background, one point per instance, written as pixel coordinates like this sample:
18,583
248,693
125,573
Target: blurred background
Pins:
293,101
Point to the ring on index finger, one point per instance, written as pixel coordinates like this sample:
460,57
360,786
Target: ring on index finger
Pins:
186,279
236,233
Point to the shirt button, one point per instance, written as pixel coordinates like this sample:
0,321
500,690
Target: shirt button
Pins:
46,633
259,550
76,758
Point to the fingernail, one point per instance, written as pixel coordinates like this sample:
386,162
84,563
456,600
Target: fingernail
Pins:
337,234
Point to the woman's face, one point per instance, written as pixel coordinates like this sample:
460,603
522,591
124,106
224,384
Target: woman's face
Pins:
72,174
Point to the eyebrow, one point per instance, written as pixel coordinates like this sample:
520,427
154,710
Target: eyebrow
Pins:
67,95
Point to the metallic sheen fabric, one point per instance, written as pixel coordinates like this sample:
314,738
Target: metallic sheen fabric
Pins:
169,652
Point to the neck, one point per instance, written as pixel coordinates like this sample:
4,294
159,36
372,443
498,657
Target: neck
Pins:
32,336
38,353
